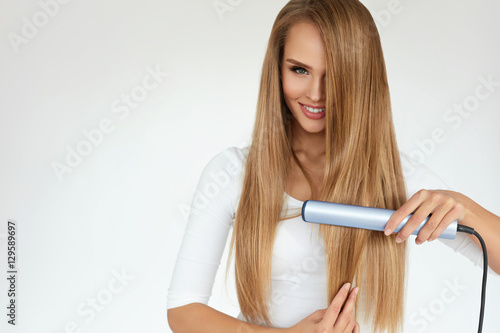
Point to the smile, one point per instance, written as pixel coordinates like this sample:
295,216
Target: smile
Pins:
314,110
312,113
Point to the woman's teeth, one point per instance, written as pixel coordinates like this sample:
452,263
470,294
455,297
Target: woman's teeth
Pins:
314,110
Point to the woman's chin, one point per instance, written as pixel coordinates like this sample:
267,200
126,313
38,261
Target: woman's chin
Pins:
313,127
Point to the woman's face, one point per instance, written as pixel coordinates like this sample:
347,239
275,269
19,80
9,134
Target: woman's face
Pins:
303,76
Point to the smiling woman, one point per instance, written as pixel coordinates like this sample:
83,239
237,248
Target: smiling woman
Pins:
333,142
323,131
304,81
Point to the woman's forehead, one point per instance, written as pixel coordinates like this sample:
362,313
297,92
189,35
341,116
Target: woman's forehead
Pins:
304,44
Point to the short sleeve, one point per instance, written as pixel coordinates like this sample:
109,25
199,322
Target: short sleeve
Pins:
418,176
209,221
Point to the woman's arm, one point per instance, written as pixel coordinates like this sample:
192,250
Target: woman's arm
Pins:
486,224
447,206
339,317
201,318
202,247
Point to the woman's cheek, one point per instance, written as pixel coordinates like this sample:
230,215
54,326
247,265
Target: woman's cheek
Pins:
292,87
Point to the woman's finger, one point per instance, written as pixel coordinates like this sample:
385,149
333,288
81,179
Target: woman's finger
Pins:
414,221
406,209
318,315
333,310
347,316
451,216
351,325
432,224
356,328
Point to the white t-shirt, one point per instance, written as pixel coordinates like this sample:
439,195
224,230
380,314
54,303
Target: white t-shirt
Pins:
298,263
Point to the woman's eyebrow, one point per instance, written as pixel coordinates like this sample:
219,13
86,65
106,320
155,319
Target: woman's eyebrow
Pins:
298,63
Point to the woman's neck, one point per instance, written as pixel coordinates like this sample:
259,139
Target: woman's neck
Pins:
309,146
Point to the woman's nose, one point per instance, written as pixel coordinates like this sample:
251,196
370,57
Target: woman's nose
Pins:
317,89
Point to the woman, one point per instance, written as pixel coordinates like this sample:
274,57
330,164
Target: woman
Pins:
323,131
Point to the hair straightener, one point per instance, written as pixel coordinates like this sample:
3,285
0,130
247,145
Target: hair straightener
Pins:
376,219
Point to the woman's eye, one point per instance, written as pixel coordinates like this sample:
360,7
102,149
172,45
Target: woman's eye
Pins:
298,70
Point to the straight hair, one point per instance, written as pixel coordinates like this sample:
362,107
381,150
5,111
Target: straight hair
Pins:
362,167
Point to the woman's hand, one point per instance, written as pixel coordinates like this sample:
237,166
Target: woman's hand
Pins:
444,206
334,319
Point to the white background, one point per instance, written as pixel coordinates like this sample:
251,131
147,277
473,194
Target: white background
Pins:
121,209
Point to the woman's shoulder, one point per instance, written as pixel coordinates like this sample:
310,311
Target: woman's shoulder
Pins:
230,159
225,171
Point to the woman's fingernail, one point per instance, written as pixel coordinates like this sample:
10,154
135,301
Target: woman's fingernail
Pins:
356,290
387,232
398,240
347,286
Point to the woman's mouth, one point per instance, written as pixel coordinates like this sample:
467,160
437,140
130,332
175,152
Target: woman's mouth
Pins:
311,112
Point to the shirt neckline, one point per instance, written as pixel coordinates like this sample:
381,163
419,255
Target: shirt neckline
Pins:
294,200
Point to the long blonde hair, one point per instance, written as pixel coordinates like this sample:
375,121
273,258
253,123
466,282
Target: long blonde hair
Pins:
362,166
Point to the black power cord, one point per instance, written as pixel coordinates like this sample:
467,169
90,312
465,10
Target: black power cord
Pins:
469,230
